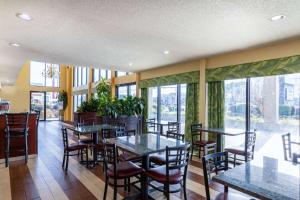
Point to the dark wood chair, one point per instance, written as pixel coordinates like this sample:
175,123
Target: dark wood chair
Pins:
160,158
173,172
246,153
16,126
115,170
174,127
205,146
72,149
214,164
150,124
287,147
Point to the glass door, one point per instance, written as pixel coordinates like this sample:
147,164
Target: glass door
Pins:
47,103
37,102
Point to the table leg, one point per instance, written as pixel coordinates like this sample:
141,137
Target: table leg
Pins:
219,142
144,181
95,141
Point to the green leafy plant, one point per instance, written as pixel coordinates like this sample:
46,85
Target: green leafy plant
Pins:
105,105
63,97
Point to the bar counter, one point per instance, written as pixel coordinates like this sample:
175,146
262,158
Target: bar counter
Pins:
32,138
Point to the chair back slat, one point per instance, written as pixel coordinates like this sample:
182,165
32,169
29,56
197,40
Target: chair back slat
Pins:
173,126
108,133
287,147
65,137
250,144
213,164
177,157
16,120
175,135
195,128
110,156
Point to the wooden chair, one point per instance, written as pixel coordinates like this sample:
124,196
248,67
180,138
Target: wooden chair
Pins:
16,126
214,164
174,127
70,148
115,170
150,124
247,153
160,158
200,144
173,172
287,147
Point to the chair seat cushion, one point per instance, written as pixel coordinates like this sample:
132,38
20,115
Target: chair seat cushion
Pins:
125,156
159,174
76,146
160,159
230,196
203,142
124,170
237,151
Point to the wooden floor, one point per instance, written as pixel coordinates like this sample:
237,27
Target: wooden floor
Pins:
43,177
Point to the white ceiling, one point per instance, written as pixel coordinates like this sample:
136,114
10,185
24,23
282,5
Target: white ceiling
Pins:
116,32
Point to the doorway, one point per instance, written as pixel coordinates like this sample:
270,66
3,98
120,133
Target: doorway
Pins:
47,103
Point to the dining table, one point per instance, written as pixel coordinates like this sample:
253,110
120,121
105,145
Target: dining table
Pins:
264,178
220,133
94,130
143,145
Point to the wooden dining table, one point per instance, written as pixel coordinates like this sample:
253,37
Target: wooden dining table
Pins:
143,145
264,178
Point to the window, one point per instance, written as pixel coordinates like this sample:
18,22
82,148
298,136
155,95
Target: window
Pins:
101,73
80,76
78,99
120,73
274,103
167,104
38,77
124,91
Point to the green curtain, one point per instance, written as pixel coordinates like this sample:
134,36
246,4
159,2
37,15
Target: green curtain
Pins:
192,108
215,106
286,65
144,95
188,77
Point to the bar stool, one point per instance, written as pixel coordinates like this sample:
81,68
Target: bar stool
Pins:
16,126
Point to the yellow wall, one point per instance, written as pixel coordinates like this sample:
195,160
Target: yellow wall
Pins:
19,94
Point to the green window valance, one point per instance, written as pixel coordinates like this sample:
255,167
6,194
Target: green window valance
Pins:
188,77
286,65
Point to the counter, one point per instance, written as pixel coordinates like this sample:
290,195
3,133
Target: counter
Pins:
32,138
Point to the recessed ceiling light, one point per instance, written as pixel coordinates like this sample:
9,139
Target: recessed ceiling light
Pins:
14,44
277,17
24,16
166,52
130,64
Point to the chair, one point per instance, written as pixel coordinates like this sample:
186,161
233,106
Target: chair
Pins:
70,148
213,164
16,126
86,122
247,152
173,126
200,144
150,125
118,170
173,172
160,158
287,147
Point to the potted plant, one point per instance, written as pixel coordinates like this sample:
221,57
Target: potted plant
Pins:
63,99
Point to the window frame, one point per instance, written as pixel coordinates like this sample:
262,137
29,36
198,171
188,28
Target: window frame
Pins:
127,85
99,74
126,73
45,78
78,80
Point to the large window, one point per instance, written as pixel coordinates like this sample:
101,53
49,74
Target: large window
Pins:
124,91
167,104
274,103
80,76
44,74
120,73
101,73
78,99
